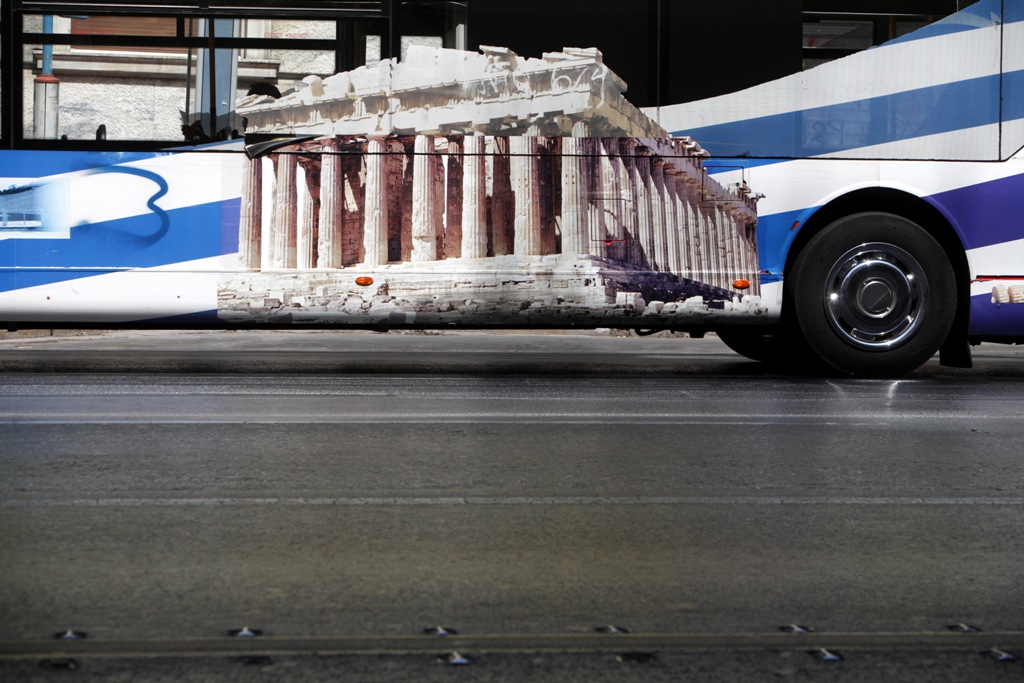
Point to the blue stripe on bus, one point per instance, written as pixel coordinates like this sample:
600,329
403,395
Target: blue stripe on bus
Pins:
987,213
995,320
782,135
775,234
1013,11
930,31
983,14
979,15
145,241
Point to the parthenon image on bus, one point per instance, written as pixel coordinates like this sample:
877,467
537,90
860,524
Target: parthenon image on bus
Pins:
482,187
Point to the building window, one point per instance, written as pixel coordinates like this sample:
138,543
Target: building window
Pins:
145,78
432,23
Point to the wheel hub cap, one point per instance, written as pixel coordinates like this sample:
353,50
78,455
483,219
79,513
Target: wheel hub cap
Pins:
875,296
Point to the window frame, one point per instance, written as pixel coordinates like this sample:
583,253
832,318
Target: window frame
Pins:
883,28
16,39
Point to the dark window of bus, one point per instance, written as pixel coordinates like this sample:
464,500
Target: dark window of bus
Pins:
833,29
147,78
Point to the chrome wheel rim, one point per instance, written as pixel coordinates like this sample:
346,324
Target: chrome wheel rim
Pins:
875,296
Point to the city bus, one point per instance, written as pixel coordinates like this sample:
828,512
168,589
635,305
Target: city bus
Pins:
342,164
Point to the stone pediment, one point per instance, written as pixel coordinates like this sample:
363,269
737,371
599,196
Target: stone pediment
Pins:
437,91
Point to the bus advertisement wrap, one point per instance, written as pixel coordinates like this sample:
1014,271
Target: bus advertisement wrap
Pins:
867,210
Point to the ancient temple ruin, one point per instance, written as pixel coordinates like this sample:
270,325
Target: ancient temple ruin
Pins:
483,188
451,92
1003,294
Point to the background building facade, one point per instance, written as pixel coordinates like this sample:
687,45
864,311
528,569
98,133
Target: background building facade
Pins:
126,78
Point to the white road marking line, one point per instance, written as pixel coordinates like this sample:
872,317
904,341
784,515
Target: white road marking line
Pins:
448,501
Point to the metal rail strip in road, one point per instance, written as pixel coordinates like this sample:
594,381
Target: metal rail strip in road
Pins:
949,640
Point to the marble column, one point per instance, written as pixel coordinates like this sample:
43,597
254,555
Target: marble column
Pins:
743,252
576,238
735,238
684,213
718,235
612,198
331,202
724,231
267,211
659,240
549,173
705,254
474,197
285,219
308,189
424,232
375,213
251,220
754,266
695,224
672,220
439,185
597,221
628,194
526,185
400,205
726,236
704,245
644,214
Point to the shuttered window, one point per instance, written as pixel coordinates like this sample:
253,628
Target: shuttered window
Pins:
166,27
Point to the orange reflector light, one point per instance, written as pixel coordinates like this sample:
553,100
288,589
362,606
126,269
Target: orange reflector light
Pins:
741,284
364,280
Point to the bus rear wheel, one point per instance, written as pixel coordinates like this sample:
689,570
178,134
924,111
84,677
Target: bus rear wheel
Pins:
874,294
775,346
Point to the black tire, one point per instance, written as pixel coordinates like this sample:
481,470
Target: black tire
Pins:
755,344
780,347
873,294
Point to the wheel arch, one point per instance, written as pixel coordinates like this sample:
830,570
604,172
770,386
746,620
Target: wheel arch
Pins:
910,207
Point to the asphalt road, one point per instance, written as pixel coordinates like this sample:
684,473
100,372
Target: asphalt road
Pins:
343,492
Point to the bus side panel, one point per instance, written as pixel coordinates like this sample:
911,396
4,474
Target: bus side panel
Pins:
981,202
480,230
106,237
